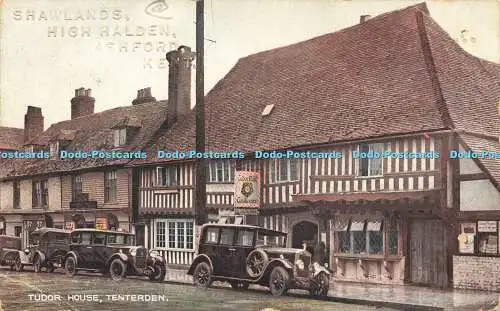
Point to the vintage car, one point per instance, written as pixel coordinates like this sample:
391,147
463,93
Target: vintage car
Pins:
112,253
243,255
47,249
10,250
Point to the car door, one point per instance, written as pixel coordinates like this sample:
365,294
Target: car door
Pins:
85,250
244,245
99,247
225,252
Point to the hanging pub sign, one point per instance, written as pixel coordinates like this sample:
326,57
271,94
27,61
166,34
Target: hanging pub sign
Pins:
101,223
247,192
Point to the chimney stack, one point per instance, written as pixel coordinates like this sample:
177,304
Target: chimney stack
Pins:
143,96
82,104
364,18
33,123
179,82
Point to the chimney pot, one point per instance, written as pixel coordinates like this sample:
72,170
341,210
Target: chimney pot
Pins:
364,18
143,96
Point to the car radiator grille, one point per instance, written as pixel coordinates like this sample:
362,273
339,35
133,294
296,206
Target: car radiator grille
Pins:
307,262
141,258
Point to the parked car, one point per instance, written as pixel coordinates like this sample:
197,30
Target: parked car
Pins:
10,250
243,255
112,253
47,249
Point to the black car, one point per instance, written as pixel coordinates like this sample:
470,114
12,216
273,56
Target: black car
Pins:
243,255
112,253
10,250
47,249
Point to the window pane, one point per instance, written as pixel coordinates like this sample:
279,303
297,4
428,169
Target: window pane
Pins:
393,237
85,238
212,235
171,234
359,241
245,237
272,171
283,170
344,241
180,235
160,234
99,238
294,170
226,170
363,162
227,235
189,235
488,242
376,242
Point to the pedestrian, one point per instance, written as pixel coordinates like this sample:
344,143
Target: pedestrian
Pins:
319,255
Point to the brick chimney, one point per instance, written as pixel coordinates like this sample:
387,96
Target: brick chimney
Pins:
179,82
143,96
364,18
82,104
33,123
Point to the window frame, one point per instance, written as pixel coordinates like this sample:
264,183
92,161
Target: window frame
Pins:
227,169
275,174
16,194
187,232
173,171
120,137
39,193
369,161
110,186
76,180
366,238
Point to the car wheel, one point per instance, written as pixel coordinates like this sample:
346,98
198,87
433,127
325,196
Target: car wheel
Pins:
117,269
19,265
37,264
279,281
256,263
239,285
320,285
70,266
158,275
12,267
202,275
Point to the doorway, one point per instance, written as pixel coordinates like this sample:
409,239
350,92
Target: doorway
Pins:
304,231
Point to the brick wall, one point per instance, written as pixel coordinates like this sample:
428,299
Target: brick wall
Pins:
474,272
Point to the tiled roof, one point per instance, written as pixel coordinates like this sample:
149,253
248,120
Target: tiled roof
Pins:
395,73
480,144
11,138
93,132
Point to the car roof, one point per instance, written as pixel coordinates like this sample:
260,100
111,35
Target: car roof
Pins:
10,237
101,231
42,231
243,227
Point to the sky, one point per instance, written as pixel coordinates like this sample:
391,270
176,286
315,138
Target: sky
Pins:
116,47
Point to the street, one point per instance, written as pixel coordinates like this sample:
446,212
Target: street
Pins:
57,292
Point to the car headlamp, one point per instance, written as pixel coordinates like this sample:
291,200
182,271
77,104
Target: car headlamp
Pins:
300,264
133,251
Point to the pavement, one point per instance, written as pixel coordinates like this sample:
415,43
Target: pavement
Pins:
388,296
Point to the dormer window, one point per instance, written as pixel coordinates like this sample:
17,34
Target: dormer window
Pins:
54,149
120,137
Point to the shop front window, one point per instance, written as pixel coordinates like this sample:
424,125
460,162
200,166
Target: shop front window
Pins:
367,237
479,237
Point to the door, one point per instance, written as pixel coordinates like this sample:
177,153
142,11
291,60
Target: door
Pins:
225,252
304,231
428,253
244,245
99,250
84,250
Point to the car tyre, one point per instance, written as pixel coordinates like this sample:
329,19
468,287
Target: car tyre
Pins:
37,264
70,266
202,276
256,263
279,281
239,285
19,265
158,275
321,286
117,269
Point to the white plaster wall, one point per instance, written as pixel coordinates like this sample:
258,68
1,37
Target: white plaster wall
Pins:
26,198
468,166
54,184
220,188
6,195
479,195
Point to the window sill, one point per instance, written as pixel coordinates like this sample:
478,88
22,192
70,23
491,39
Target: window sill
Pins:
368,177
274,183
220,182
367,257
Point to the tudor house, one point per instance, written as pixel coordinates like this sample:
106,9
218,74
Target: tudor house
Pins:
389,220
75,192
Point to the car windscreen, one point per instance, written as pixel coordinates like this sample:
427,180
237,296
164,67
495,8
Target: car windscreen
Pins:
270,239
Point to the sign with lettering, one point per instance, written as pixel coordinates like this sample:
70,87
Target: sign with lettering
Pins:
69,225
101,223
466,243
487,226
247,192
